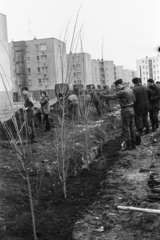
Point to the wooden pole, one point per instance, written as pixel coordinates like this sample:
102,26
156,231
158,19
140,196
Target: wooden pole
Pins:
146,210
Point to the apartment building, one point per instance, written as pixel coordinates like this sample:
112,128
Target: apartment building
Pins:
148,67
38,64
5,76
79,68
95,73
119,72
103,72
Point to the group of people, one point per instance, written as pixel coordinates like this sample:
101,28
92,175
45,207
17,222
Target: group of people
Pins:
29,112
137,105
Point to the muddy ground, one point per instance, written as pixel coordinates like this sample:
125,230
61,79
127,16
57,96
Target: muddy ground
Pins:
90,210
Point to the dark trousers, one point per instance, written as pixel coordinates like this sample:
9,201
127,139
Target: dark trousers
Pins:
98,107
141,121
128,124
73,110
30,125
46,120
154,117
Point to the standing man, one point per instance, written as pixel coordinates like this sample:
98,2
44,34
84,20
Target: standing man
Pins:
154,103
126,101
29,113
141,106
44,101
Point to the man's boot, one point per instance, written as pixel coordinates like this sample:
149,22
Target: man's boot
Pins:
133,144
126,145
147,131
157,125
153,128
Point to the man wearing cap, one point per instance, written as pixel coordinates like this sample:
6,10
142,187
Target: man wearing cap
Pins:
141,106
154,103
29,113
126,101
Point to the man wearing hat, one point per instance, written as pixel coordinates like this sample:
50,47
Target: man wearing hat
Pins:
141,106
154,103
126,101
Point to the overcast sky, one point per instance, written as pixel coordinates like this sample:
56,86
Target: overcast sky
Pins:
129,29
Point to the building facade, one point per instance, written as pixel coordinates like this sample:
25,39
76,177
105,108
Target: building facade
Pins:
6,98
38,64
95,73
79,69
148,68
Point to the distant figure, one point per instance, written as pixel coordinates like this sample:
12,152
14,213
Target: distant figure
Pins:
96,101
154,103
126,101
44,101
141,106
73,106
29,113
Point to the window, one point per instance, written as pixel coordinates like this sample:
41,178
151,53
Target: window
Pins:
45,81
146,67
38,70
146,73
30,82
143,66
15,83
142,61
28,59
43,58
19,49
144,78
157,71
43,47
37,58
29,71
157,65
143,72
146,61
27,48
36,46
154,72
44,70
154,66
39,81
153,60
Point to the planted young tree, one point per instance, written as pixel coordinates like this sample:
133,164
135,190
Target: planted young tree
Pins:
21,150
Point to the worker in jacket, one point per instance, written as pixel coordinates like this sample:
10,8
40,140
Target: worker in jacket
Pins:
141,106
44,101
126,101
29,114
154,103
73,106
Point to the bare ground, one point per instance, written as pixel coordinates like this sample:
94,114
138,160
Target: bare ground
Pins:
90,210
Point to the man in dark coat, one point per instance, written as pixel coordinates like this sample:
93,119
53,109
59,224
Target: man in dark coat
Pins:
141,106
44,101
126,101
154,103
96,101
29,113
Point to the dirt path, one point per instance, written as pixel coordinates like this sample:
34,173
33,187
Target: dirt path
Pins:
124,185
